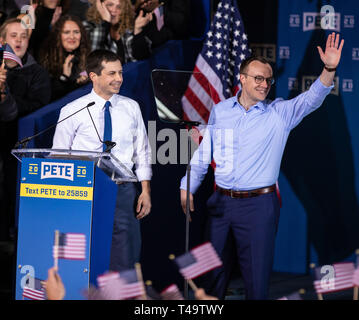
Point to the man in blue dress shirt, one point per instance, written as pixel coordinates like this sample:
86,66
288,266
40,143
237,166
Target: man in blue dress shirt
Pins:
246,136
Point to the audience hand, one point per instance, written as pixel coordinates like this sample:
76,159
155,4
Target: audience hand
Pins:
67,67
142,20
200,294
56,15
54,287
102,10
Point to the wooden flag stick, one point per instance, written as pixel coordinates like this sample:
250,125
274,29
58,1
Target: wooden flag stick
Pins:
355,295
56,249
192,284
140,278
320,296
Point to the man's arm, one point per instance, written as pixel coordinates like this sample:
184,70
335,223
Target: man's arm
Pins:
331,58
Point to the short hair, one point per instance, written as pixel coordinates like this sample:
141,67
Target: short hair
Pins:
96,57
245,63
6,23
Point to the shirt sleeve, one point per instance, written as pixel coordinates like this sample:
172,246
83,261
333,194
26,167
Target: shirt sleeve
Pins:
142,156
65,131
294,110
201,158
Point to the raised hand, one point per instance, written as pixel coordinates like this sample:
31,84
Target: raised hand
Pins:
142,20
333,50
67,67
102,10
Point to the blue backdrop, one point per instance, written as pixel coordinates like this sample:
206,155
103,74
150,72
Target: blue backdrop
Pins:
319,179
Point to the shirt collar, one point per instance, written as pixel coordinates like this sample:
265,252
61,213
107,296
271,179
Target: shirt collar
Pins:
260,105
100,102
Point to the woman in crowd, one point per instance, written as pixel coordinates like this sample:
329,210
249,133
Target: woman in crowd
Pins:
64,56
111,25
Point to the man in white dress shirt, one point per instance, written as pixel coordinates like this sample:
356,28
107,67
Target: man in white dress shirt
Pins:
132,148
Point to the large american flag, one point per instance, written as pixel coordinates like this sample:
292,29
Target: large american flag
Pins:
216,74
198,261
172,293
343,278
9,54
70,246
33,289
120,285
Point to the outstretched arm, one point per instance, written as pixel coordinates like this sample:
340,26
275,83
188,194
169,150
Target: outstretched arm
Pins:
330,57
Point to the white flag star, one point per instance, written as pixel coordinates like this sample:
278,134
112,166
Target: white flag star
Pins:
209,54
209,43
235,43
218,25
218,66
218,35
236,33
218,15
244,37
218,45
242,56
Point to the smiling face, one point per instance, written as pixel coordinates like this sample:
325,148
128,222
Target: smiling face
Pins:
114,8
109,81
70,36
17,37
252,91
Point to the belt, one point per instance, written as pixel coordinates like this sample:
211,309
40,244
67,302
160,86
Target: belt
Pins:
246,194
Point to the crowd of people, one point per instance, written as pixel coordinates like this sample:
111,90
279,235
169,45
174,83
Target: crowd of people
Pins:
53,39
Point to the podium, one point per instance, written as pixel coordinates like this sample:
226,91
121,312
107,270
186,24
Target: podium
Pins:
72,192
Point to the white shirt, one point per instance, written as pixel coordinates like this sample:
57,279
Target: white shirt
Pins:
128,131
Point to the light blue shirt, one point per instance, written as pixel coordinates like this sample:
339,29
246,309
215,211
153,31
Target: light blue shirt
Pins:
247,146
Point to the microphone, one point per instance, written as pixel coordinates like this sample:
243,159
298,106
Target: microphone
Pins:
23,143
109,144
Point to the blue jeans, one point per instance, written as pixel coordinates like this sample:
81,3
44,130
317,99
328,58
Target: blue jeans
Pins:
126,235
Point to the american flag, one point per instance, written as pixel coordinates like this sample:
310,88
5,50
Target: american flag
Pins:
198,261
171,293
33,289
70,246
216,74
9,54
120,285
342,280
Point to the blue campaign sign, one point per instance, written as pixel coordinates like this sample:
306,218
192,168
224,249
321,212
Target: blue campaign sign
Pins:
55,194
319,178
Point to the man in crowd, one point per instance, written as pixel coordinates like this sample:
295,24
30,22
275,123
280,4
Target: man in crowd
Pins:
23,90
118,119
246,137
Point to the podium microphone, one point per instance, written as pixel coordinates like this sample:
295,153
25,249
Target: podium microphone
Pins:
26,140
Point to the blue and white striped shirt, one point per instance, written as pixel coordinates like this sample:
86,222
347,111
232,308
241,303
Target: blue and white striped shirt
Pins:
247,146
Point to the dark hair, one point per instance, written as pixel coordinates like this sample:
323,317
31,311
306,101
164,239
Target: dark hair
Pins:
96,57
245,63
52,53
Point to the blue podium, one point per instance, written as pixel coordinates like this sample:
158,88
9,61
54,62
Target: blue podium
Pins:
73,192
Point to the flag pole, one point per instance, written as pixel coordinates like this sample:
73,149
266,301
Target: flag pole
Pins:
56,249
140,278
355,294
319,295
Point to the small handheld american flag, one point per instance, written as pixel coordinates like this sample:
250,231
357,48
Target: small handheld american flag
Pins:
171,293
198,261
33,289
9,54
69,246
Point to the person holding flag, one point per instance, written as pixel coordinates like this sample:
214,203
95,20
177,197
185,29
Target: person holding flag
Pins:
25,87
246,137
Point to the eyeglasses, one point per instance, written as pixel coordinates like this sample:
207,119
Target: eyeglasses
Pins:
259,79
